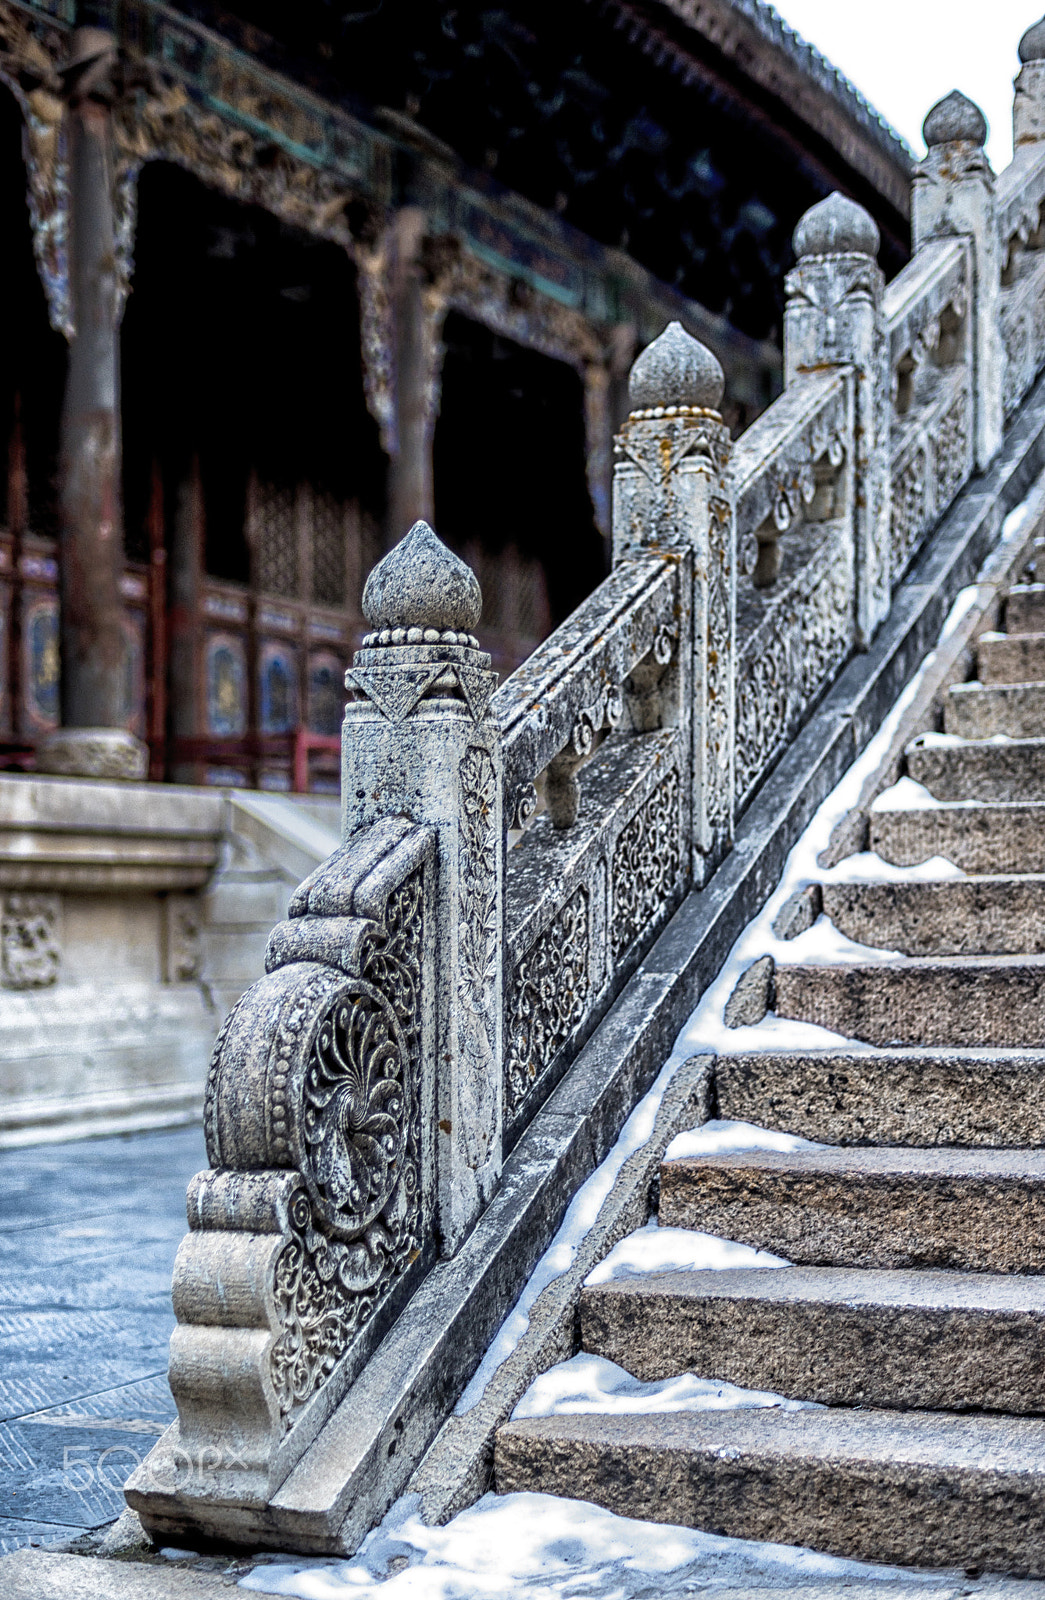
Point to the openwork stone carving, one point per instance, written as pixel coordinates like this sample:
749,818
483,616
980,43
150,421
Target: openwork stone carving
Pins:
908,512
549,998
952,452
315,1091
357,1224
30,950
647,861
803,638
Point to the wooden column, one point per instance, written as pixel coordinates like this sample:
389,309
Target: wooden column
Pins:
410,482
92,740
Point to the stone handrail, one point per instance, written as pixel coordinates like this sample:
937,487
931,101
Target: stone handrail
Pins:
510,856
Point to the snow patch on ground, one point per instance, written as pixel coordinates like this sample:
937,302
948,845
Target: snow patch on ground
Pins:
540,1547
591,1384
867,867
906,795
656,1249
721,1138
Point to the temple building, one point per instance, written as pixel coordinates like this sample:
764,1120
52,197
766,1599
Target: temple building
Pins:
281,279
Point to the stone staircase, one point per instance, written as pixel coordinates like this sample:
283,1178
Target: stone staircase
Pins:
913,1312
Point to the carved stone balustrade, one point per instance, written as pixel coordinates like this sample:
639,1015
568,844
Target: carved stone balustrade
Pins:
439,975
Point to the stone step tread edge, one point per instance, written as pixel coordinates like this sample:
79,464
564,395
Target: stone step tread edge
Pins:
994,1294
1024,1166
917,1489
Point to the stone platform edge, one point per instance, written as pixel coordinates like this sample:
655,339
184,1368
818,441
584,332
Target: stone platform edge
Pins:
369,1450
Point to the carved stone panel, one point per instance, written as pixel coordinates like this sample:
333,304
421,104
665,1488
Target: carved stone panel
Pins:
647,862
317,1070
549,996
30,952
909,510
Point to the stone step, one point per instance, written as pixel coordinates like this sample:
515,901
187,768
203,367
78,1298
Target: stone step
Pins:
966,1002
984,1099
947,916
981,710
967,1210
977,838
912,1488
1025,608
980,769
1010,657
840,1336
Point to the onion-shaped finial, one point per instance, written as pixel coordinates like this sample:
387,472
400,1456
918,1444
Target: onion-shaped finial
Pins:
1032,45
836,226
955,117
422,584
676,370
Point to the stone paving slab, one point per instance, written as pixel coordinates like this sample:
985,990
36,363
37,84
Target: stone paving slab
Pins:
88,1234
43,1575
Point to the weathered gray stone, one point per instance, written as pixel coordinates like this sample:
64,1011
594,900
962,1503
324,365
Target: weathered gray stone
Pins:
955,117
753,995
915,1488
1011,658
980,769
981,1098
953,192
981,711
1032,45
459,1466
107,753
966,1002
799,912
676,370
973,1210
977,838
834,316
950,916
43,1575
421,584
938,1341
836,226
1025,608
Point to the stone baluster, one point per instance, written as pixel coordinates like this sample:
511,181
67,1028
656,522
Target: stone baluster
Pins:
93,740
953,196
1028,106
418,743
672,492
834,318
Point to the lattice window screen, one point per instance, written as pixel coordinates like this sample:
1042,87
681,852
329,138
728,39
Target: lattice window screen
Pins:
328,551
274,539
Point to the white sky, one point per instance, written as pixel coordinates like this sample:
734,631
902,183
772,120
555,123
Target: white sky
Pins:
904,55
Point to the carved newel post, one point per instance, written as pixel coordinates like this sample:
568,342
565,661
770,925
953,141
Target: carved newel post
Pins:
418,742
672,492
834,318
1028,106
953,197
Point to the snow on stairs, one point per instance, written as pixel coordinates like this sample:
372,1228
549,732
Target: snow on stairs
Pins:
915,1307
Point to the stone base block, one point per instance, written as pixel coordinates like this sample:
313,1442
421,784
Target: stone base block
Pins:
980,769
915,1488
977,838
92,753
986,1099
978,916
839,1336
968,1210
965,1002
982,710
